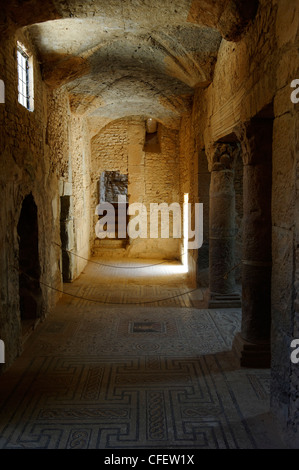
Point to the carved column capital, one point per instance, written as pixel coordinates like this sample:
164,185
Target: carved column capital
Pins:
225,155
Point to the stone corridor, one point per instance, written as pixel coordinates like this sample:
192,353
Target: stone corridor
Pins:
179,331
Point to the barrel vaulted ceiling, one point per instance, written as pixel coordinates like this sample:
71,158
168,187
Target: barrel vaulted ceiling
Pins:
120,58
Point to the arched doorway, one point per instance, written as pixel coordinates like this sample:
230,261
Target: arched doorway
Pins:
29,267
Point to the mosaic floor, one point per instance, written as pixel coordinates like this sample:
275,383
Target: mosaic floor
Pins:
118,371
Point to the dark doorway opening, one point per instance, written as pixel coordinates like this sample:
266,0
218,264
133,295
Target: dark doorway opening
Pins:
29,267
67,237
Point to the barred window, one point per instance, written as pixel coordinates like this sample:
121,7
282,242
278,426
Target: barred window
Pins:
25,78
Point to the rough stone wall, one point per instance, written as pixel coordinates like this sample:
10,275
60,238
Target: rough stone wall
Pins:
152,177
57,160
57,134
110,149
81,188
161,185
29,148
250,76
285,211
161,170
241,87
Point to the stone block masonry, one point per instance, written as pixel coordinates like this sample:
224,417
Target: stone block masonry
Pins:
152,177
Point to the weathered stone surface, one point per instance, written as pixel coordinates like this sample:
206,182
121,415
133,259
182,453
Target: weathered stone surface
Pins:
123,56
235,17
222,232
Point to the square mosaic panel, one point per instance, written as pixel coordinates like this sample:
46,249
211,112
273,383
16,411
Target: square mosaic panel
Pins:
147,327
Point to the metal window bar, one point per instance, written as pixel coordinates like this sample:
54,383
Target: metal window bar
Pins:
23,83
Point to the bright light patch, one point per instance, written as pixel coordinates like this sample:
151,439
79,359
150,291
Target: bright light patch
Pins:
185,232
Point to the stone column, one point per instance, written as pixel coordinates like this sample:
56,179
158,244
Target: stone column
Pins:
253,343
222,230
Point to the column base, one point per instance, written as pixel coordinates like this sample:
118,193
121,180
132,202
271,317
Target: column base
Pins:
252,355
225,301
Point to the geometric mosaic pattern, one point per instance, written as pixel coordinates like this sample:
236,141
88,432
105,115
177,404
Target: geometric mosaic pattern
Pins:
133,377
103,403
